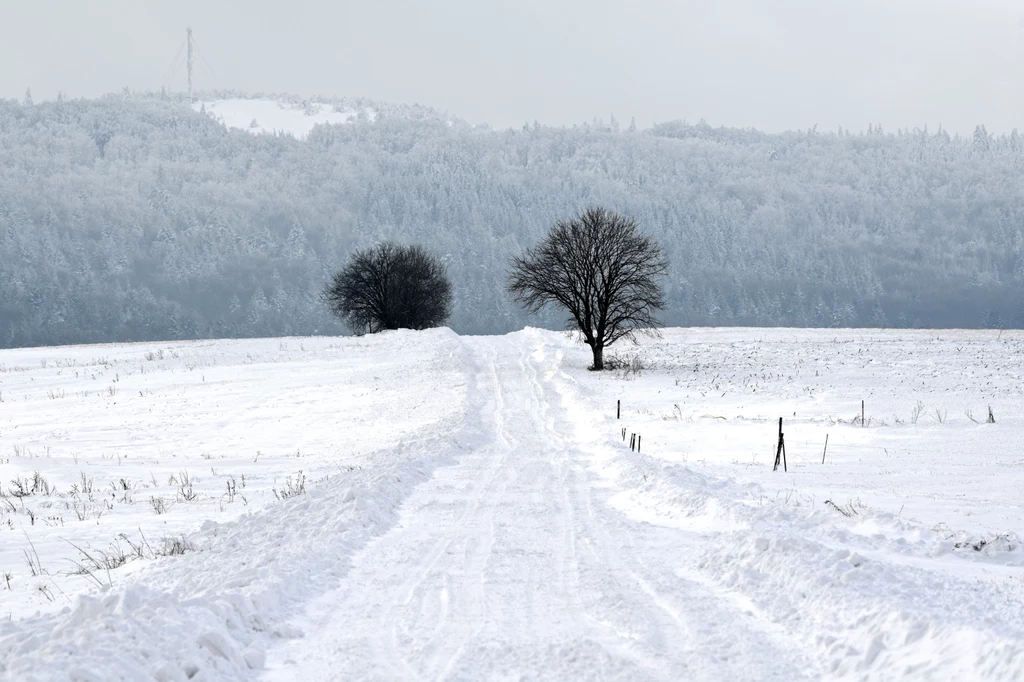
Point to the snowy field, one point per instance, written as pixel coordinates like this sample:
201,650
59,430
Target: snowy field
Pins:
424,505
273,116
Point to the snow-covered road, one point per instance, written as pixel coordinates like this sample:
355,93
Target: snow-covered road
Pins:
512,565
473,511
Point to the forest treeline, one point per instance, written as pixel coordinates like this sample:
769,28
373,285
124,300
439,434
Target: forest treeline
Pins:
135,218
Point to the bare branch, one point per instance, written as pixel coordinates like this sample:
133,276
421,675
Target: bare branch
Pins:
601,270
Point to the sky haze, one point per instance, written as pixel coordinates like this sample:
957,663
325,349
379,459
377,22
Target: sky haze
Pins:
781,65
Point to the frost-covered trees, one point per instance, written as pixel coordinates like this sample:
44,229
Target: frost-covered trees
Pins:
601,270
391,286
142,219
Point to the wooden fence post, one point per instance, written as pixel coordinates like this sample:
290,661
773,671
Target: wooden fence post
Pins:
780,451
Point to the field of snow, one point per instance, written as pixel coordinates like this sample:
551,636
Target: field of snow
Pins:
274,116
424,505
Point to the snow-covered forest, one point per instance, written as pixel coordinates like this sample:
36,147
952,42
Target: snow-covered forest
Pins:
133,217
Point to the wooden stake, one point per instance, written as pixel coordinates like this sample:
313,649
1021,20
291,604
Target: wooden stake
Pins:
638,443
778,448
618,409
825,450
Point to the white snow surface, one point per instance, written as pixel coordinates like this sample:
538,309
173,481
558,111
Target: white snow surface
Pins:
469,508
274,116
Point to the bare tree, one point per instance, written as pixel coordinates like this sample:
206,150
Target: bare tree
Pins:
391,286
602,270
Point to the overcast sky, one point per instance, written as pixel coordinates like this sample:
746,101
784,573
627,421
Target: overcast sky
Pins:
770,64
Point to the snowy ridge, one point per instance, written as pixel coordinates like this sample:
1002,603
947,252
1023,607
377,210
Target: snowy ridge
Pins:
269,116
276,114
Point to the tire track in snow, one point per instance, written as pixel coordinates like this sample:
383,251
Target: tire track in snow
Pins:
720,639
616,642
443,645
510,563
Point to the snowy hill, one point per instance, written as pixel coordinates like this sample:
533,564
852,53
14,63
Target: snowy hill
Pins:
296,116
420,505
226,235
281,116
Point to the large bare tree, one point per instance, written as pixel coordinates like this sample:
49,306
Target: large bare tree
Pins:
391,286
599,268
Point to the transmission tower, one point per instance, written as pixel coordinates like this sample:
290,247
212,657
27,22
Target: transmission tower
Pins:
188,53
190,45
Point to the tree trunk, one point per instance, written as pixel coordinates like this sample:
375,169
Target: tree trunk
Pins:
598,357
